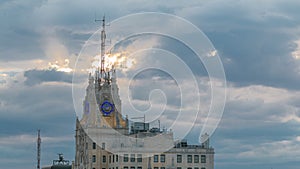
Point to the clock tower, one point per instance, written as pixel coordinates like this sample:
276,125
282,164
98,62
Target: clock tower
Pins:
103,139
102,103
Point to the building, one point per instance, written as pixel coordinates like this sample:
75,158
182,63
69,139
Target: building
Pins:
104,139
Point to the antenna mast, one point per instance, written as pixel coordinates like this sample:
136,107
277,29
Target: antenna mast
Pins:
38,150
100,73
103,37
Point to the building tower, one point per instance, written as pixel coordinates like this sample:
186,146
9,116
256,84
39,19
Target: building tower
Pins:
104,141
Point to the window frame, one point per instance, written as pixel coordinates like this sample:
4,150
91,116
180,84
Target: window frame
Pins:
203,158
179,158
104,159
155,159
139,158
189,158
196,158
132,158
125,158
162,158
94,158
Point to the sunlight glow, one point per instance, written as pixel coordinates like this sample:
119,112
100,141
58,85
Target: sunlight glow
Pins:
117,60
61,67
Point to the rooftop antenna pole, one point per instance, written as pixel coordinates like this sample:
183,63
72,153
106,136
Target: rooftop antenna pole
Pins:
39,150
103,37
102,50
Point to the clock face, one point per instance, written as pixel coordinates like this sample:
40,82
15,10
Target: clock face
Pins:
107,108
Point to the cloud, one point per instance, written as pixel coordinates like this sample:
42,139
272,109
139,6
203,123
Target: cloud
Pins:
23,110
35,76
276,149
19,36
254,130
257,41
26,139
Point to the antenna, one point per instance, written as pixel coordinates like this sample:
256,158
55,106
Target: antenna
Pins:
103,37
39,150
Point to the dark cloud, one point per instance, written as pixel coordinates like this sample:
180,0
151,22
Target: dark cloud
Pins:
255,57
26,108
20,36
35,76
255,42
23,110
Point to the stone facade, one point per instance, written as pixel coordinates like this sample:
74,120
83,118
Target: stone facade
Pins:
103,141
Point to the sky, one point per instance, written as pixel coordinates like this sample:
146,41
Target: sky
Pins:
258,43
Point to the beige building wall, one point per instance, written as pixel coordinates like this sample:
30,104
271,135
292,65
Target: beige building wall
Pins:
99,134
89,155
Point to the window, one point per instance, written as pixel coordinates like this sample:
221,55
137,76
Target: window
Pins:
113,158
196,158
203,168
94,158
179,158
162,158
203,159
162,168
139,158
155,159
196,168
155,167
109,159
139,167
132,158
132,167
94,145
189,167
125,158
103,146
86,145
178,167
125,167
104,159
189,158
117,158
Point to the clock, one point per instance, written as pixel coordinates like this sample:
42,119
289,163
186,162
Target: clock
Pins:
107,108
